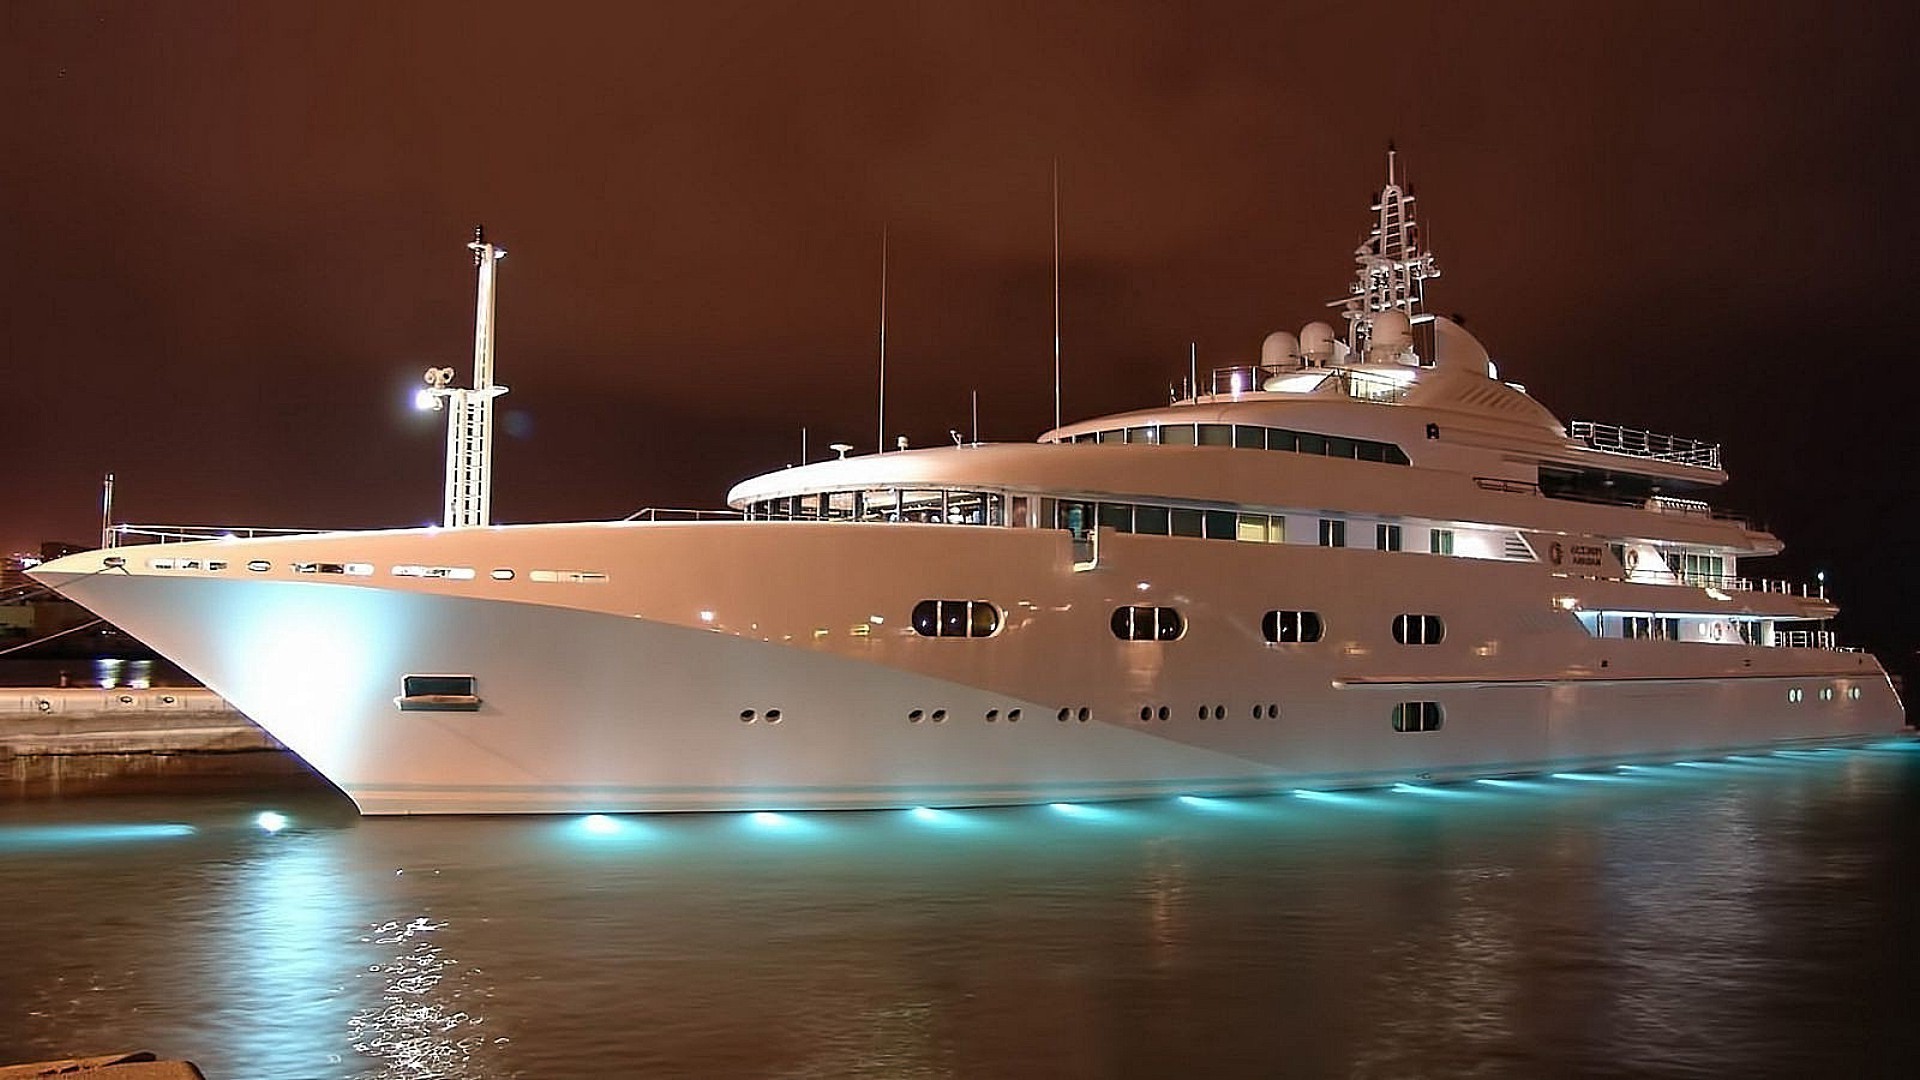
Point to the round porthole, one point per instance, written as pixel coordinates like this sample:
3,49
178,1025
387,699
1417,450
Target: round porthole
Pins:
914,716
773,716
1064,713
746,716
992,715
1084,714
1219,712
1013,716
939,716
1164,713
1146,713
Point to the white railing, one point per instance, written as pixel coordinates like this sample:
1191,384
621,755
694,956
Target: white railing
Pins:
1636,442
122,535
1808,639
666,513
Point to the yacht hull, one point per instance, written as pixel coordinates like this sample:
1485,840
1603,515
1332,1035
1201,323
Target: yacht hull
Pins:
644,702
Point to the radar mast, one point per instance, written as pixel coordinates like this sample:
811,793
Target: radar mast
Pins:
1391,269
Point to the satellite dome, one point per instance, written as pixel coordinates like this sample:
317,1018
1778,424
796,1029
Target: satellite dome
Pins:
1281,349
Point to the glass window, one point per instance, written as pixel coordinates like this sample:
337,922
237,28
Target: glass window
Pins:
1216,435
1253,528
1393,455
1291,627
1417,716
955,618
1176,434
1312,444
1387,537
1117,516
1147,624
1187,523
1108,436
1440,541
1368,450
1418,629
1146,434
1150,520
1282,439
1333,532
1248,437
1221,524
1339,447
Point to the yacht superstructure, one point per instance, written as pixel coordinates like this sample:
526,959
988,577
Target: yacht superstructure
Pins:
1364,560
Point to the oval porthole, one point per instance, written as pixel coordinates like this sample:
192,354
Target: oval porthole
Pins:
1013,716
503,574
939,716
259,565
773,716
915,716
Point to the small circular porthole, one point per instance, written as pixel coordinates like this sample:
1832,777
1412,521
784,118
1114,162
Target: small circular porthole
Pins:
1013,716
1146,713
992,715
915,716
773,716
1219,712
746,716
1064,713
939,716
1164,713
1203,712
1084,714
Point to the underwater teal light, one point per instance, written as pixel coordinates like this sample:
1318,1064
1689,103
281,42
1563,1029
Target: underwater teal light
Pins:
67,835
271,820
600,824
767,819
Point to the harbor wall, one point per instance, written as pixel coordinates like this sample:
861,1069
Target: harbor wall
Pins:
72,737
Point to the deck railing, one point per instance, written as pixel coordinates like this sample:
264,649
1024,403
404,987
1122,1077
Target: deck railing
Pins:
1636,442
667,513
121,535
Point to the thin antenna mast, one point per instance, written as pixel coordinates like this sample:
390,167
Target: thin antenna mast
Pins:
976,417
882,441
106,512
1193,369
469,474
1056,292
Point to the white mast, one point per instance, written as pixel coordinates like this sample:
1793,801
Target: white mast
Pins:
1391,267
1056,292
469,476
882,443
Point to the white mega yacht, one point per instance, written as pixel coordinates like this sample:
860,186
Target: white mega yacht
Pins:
1364,560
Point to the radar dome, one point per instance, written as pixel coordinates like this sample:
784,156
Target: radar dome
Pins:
1281,349
1316,343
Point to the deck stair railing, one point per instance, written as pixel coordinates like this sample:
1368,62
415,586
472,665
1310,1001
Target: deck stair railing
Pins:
1636,442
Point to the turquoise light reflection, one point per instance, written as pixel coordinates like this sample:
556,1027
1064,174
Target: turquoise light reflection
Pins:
1597,777
1512,785
68,835
1437,792
271,820
942,819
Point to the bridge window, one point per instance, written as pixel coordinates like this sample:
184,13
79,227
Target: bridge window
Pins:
955,618
1418,629
1148,624
1291,627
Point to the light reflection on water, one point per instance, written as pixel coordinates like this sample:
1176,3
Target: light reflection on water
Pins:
1666,920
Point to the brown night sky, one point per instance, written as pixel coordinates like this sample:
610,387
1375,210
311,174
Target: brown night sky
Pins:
231,236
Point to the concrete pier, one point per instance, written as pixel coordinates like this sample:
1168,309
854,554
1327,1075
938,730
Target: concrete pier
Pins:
58,737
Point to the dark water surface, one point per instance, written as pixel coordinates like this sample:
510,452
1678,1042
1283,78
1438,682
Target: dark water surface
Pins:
1744,917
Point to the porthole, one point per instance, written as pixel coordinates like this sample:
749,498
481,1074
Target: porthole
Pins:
992,715
1826,693
1273,711
939,716
1062,717
1795,694
1013,716
773,716
1417,716
1146,713
1853,692
1418,629
503,574
1084,714
259,565
1219,712
955,618
915,716
1290,627
1164,714
746,716
1147,624
1203,712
